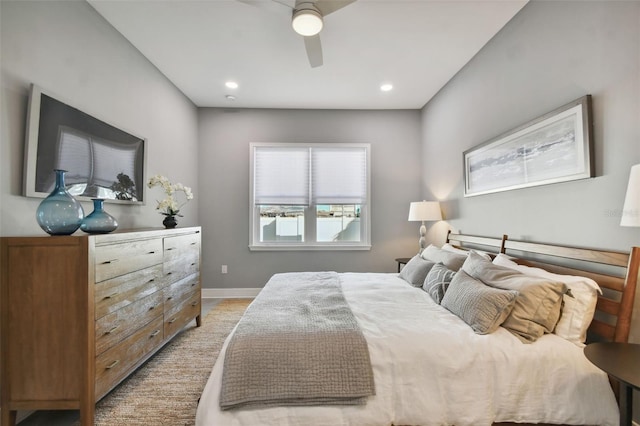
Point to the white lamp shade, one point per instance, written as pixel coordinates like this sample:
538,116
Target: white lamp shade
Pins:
631,209
307,22
425,210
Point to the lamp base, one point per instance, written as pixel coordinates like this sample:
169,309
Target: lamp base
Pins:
422,242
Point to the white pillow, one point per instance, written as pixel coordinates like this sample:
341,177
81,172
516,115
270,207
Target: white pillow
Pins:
448,247
451,260
452,249
577,311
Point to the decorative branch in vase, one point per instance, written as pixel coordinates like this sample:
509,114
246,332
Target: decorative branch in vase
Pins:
169,206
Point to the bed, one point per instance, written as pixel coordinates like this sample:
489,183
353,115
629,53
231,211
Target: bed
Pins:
430,367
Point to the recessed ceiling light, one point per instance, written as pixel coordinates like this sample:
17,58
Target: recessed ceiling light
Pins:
231,84
386,87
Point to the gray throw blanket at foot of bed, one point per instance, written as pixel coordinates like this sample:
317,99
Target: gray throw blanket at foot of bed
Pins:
298,343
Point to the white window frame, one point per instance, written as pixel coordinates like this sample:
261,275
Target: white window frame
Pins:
310,211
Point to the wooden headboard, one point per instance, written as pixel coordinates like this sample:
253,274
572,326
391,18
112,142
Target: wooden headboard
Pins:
612,321
474,241
615,306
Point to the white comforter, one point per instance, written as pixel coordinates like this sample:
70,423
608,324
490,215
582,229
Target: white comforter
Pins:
430,368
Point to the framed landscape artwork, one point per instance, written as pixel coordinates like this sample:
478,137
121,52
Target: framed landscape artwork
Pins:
556,147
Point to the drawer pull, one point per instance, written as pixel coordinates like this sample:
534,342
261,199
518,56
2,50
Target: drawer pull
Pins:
194,304
169,298
112,295
172,320
151,308
154,334
151,252
192,284
169,273
151,280
193,264
114,328
106,262
170,248
113,364
193,244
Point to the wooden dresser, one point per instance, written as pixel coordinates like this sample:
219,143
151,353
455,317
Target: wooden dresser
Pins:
80,313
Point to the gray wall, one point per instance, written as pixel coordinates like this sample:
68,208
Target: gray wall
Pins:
225,136
68,49
549,54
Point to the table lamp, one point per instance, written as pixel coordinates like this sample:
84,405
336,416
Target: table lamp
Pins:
424,211
631,209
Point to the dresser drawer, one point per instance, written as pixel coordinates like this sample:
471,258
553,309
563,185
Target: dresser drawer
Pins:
180,316
114,327
181,266
113,260
179,291
118,292
182,243
116,363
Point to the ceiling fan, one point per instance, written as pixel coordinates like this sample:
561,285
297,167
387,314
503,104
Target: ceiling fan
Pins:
306,20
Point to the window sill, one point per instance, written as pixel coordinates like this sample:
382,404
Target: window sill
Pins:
310,247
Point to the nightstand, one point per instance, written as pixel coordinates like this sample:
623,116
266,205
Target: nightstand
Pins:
622,362
402,261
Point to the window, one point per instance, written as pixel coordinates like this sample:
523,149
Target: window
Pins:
311,197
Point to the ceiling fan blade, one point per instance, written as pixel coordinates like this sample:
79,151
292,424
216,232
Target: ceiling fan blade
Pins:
314,50
328,6
270,5
289,3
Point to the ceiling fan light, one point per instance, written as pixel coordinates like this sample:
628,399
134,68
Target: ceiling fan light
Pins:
306,22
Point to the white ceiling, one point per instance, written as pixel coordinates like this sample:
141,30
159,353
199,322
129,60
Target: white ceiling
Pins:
416,45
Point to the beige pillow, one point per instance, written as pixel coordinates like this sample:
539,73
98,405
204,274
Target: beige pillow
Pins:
578,304
483,307
537,307
451,260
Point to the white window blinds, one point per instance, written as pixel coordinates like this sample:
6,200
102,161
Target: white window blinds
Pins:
339,175
303,175
281,175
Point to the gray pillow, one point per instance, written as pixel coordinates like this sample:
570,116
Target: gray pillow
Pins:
416,270
437,281
484,308
451,260
537,308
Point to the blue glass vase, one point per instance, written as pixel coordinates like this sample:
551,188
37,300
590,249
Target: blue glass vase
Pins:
98,221
59,213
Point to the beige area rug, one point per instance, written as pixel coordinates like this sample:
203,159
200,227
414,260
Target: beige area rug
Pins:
166,389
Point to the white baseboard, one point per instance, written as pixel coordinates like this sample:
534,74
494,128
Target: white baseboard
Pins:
230,293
